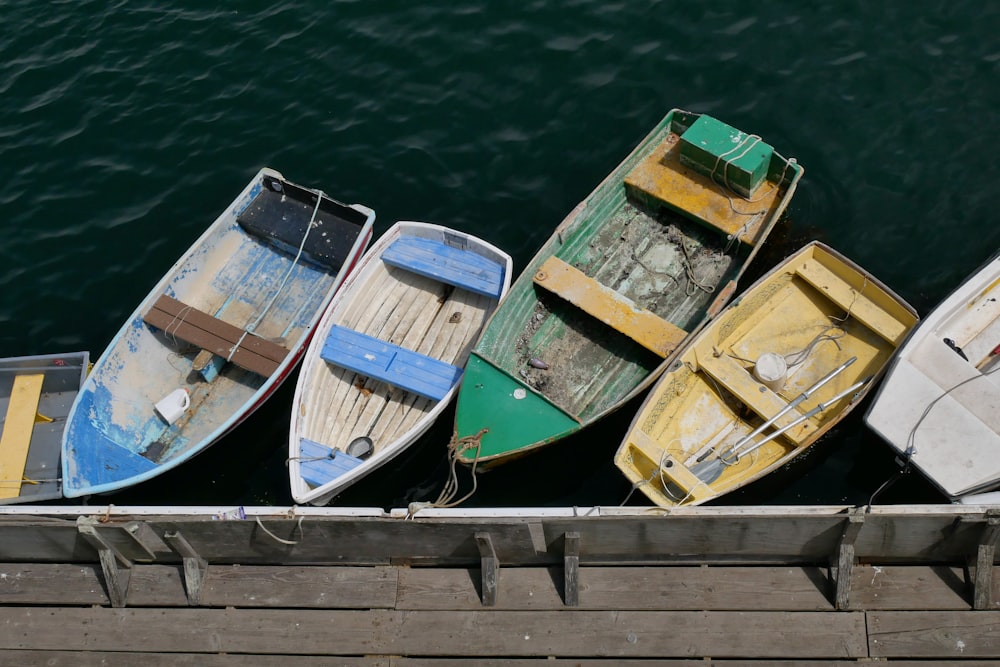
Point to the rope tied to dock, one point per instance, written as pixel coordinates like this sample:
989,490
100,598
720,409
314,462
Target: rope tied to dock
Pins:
298,527
456,448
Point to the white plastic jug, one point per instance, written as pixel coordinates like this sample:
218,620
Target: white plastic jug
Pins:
173,405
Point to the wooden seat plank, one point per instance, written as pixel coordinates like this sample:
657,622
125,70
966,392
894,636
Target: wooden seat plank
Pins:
390,363
319,464
199,328
617,311
758,397
18,426
454,266
661,180
689,486
861,307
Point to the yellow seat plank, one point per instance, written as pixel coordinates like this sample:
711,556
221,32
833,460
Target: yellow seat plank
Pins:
758,397
861,308
17,428
661,179
618,312
670,470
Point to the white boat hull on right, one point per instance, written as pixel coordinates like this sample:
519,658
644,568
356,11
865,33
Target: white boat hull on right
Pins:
939,405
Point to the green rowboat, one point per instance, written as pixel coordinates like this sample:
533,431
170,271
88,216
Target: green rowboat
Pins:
634,270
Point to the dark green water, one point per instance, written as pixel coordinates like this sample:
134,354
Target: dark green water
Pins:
126,127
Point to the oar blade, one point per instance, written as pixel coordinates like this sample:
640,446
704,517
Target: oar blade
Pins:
708,471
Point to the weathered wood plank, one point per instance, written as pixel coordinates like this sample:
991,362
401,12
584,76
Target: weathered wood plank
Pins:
224,586
381,632
671,662
909,587
69,584
626,588
705,537
301,587
177,319
29,658
934,634
782,588
571,633
617,311
526,588
863,309
191,630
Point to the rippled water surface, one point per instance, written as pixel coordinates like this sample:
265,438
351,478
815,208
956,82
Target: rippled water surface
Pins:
127,127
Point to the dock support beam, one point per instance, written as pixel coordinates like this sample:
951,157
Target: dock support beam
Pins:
490,568
571,570
985,555
116,568
845,558
195,567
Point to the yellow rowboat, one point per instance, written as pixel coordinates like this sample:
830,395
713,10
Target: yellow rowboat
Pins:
762,382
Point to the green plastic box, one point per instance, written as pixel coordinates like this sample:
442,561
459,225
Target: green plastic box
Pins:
729,156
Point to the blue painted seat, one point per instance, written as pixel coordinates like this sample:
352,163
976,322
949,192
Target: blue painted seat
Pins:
454,266
319,464
408,370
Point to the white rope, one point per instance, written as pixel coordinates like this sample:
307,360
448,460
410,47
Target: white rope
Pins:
284,281
298,526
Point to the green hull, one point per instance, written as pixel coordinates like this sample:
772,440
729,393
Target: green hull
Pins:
667,255
519,415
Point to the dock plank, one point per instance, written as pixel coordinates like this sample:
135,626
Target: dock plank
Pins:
337,587
934,634
29,658
382,632
671,662
911,587
301,587
631,634
624,588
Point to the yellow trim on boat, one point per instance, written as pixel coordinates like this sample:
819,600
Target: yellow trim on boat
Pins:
618,312
17,429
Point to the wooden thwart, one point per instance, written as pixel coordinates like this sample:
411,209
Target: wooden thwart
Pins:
18,426
727,372
861,307
677,473
199,328
618,312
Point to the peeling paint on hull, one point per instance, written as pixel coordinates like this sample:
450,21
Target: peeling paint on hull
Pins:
114,437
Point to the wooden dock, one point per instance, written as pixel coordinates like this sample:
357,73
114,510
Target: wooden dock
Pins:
592,587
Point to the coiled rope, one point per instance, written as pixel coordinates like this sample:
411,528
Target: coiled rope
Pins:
456,448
